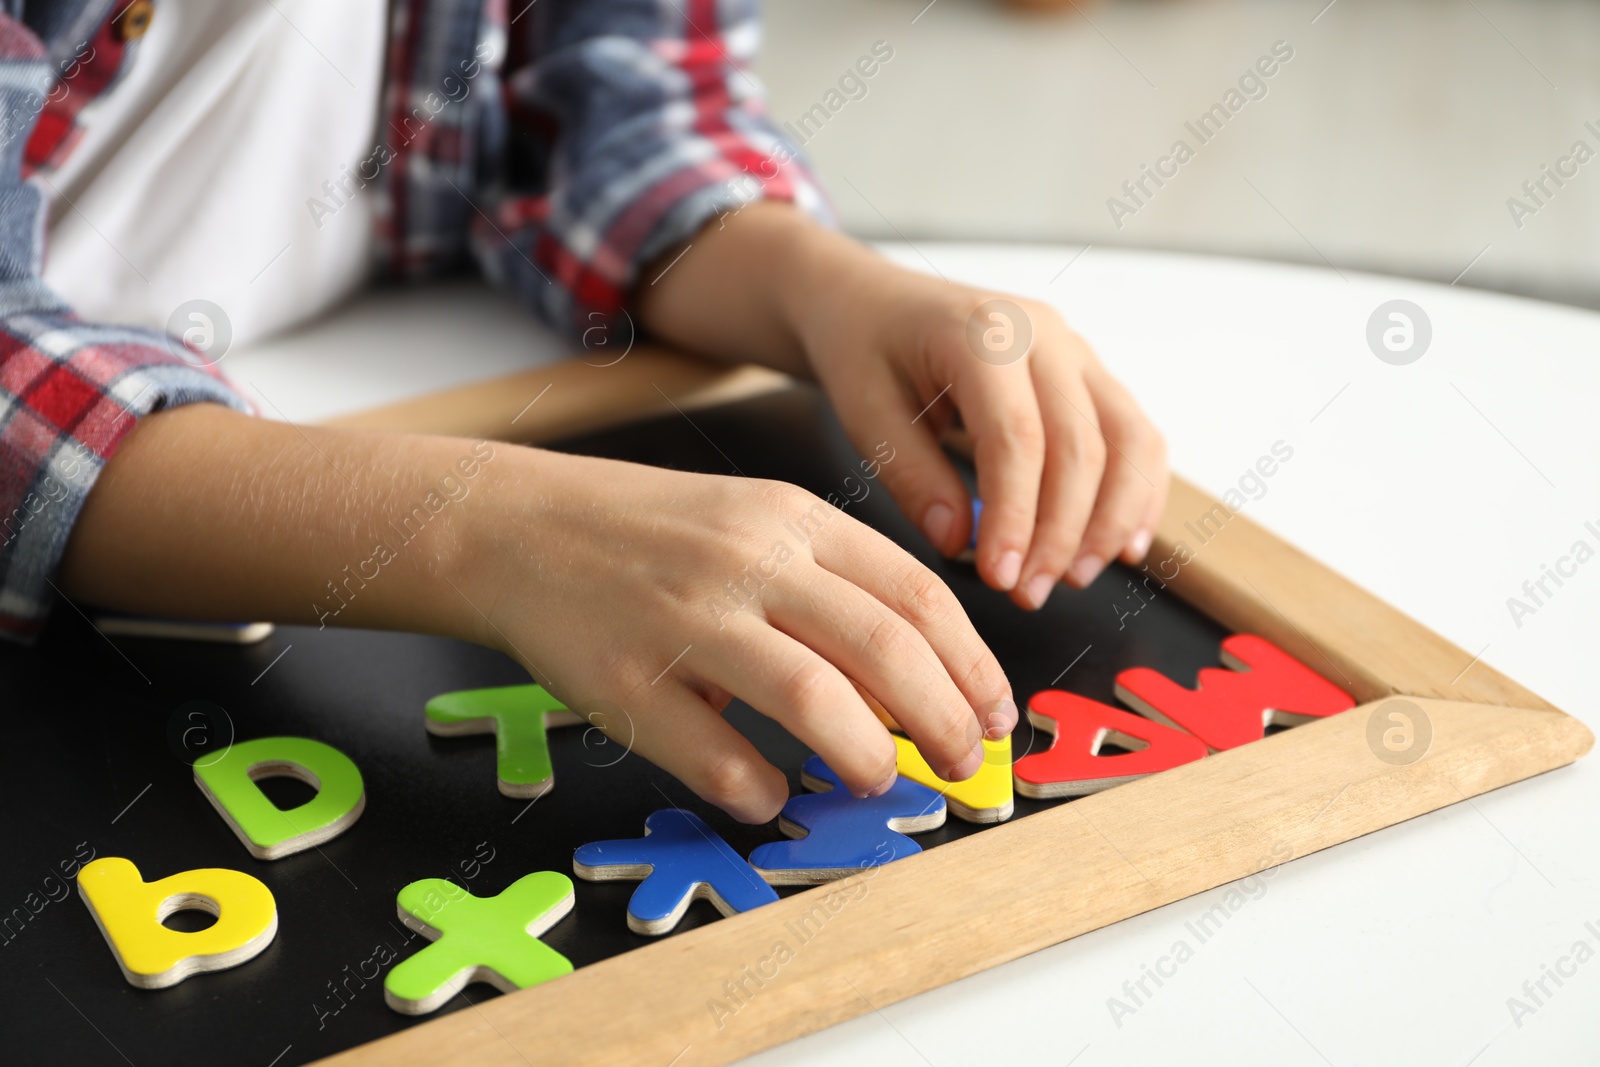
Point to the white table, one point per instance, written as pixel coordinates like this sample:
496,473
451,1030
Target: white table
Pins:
1440,486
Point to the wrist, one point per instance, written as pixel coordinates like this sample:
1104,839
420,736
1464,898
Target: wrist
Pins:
489,535
825,269
396,554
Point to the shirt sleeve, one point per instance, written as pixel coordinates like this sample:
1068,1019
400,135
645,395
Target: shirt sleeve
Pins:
70,390
643,123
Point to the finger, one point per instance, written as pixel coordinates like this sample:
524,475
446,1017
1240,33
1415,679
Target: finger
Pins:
1001,411
696,745
877,708
1074,465
789,682
898,430
1153,465
1136,472
1139,546
877,648
865,558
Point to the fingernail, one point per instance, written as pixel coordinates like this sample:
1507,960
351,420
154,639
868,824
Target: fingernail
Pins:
1038,590
1001,721
1086,568
936,524
1009,569
967,767
882,787
1139,544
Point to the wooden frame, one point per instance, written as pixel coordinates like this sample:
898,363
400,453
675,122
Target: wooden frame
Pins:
890,933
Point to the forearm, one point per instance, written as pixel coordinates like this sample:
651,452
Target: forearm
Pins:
210,514
742,288
612,583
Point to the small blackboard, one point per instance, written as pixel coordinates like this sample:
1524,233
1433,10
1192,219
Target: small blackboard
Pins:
100,735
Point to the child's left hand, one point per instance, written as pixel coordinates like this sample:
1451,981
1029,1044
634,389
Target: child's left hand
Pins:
1071,472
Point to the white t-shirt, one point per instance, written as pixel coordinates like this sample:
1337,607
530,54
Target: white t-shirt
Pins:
193,174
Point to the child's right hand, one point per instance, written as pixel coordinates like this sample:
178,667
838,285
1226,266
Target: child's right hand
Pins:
646,597
666,594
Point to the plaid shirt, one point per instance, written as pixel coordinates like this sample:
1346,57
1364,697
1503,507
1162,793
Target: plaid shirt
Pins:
562,149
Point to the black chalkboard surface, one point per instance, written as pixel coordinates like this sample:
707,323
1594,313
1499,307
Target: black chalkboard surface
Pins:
99,737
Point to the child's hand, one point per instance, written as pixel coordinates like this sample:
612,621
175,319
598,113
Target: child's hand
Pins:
1070,471
665,594
646,598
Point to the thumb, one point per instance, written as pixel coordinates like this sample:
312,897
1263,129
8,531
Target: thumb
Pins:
898,430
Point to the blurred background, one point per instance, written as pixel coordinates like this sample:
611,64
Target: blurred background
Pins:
1393,140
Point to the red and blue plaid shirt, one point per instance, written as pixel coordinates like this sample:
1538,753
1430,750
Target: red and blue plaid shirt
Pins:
562,146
